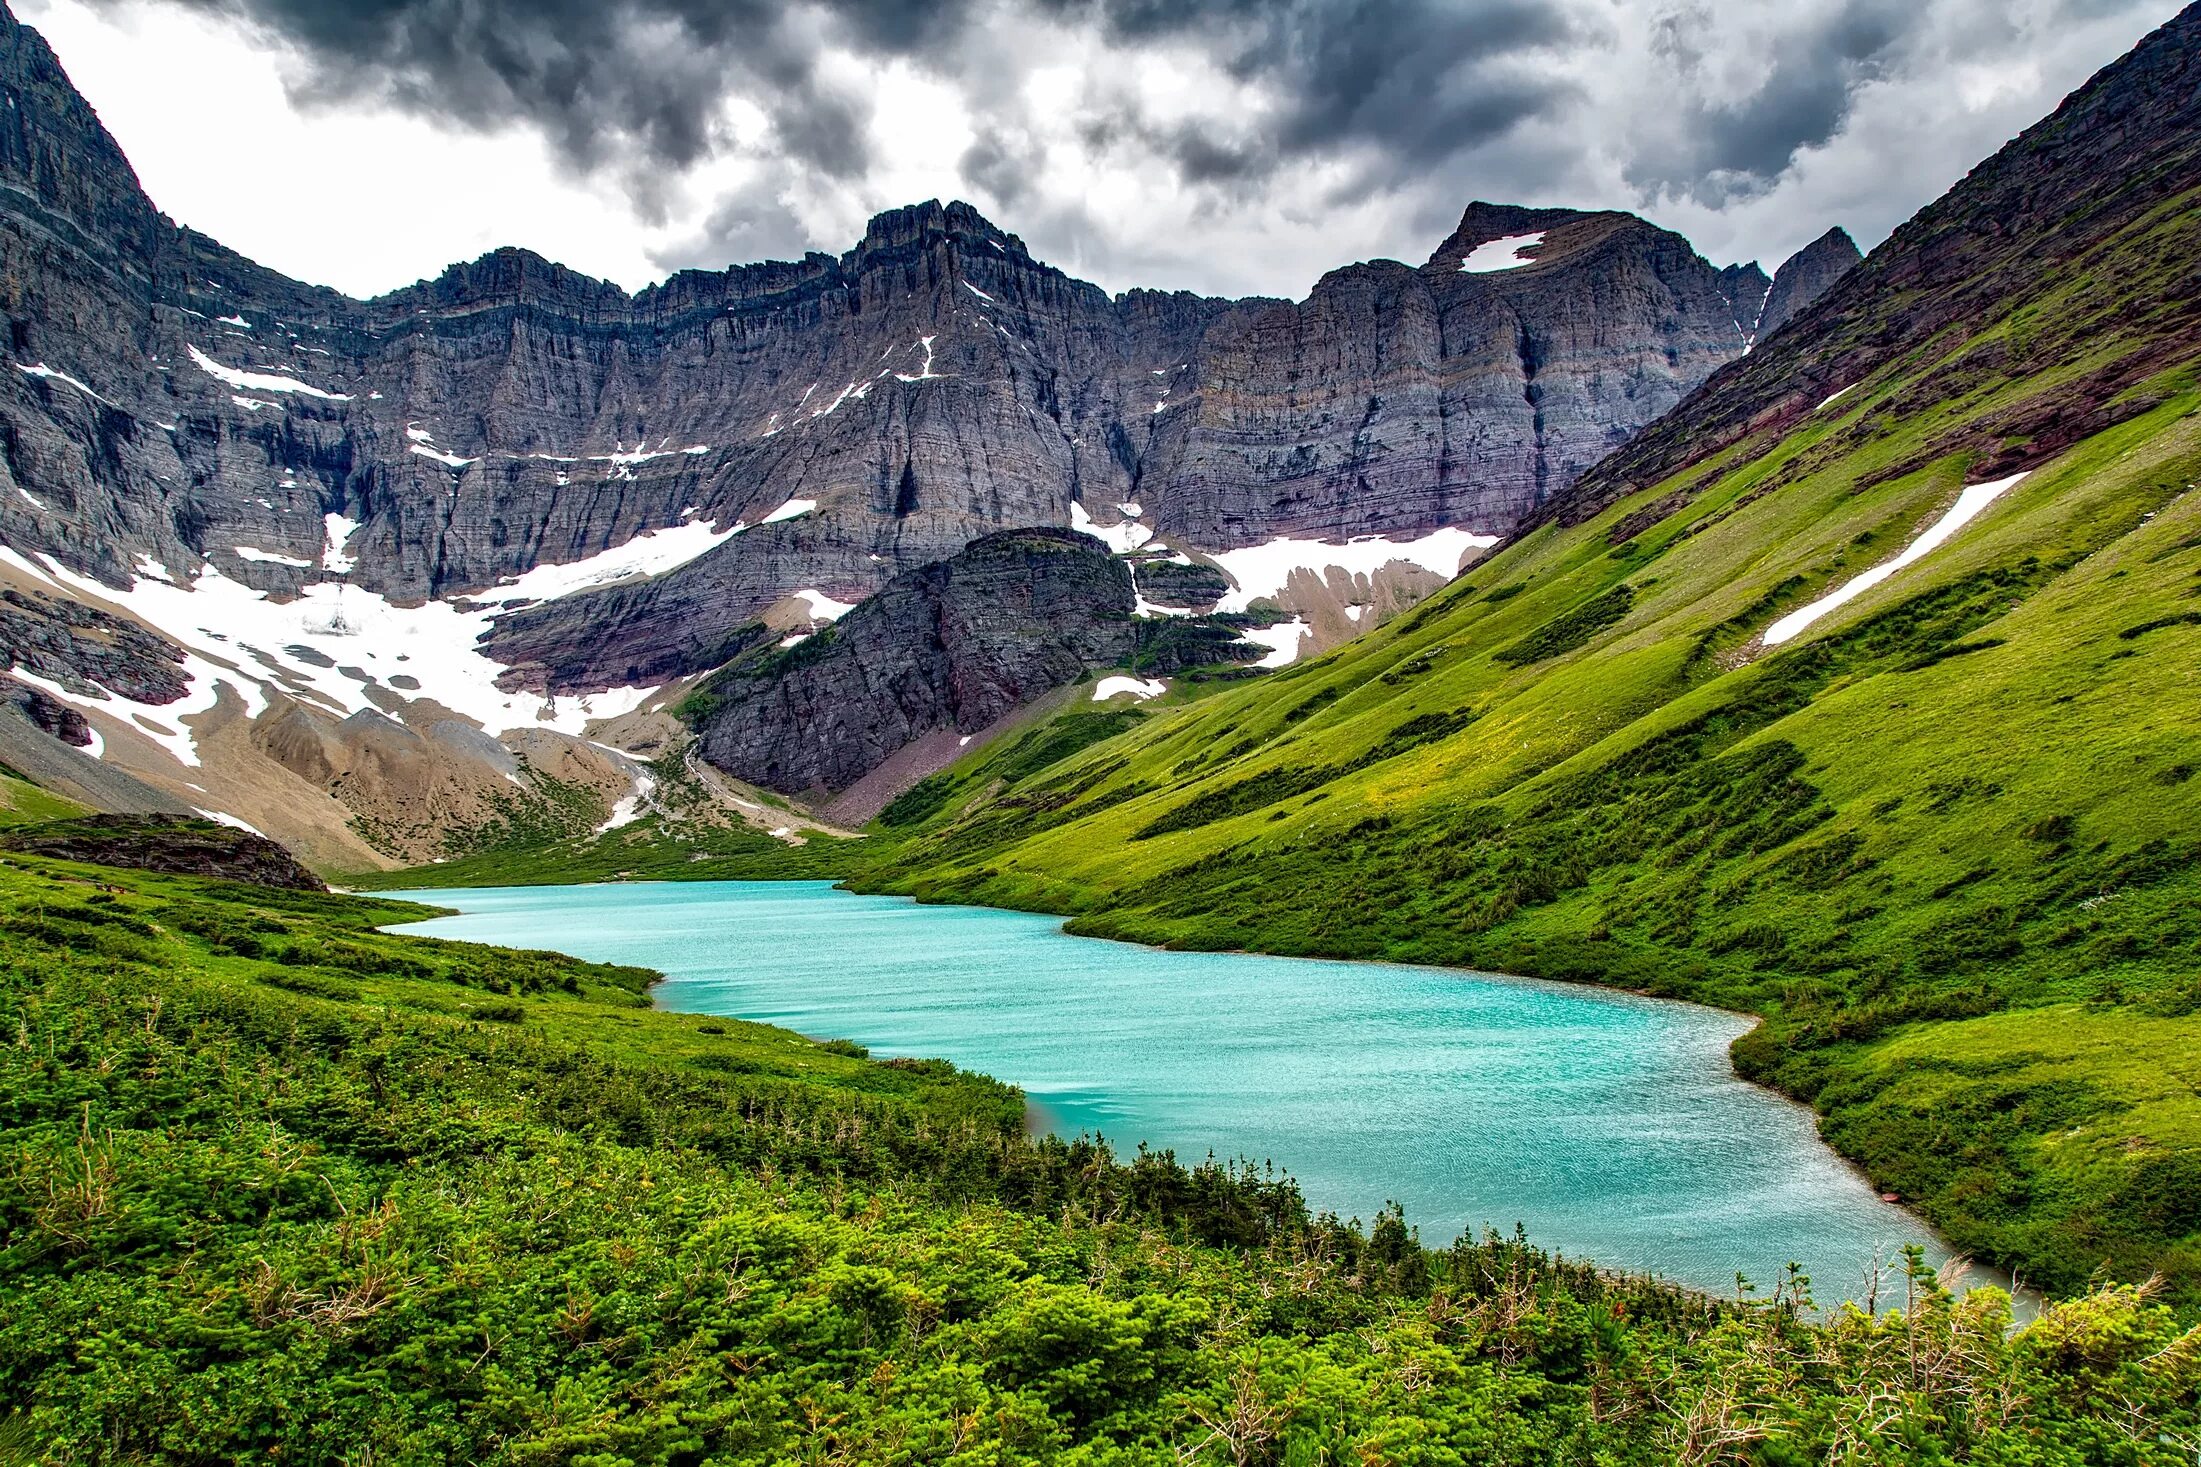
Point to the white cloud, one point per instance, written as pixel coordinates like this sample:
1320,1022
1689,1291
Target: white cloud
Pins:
362,198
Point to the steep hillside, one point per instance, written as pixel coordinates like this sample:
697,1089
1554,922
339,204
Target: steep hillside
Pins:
1859,694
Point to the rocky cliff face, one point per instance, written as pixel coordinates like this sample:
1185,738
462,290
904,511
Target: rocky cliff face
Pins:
1806,275
174,404
180,846
1464,392
951,646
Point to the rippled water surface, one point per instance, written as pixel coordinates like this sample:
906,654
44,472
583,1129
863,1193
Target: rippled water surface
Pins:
1612,1126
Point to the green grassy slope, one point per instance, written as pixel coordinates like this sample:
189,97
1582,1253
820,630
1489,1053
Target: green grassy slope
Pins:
683,835
275,1185
23,803
1948,841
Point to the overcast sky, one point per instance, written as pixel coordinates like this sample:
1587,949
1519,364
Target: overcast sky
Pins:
1227,146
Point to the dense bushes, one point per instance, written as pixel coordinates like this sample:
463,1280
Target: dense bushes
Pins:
251,1212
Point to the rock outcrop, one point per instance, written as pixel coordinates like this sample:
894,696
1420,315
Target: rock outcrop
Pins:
43,711
1807,275
178,845
951,646
88,651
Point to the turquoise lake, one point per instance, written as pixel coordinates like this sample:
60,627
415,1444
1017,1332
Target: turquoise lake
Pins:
1611,1126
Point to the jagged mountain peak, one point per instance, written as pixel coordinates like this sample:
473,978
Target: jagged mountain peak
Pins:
931,221
1806,276
1746,285
1536,236
53,145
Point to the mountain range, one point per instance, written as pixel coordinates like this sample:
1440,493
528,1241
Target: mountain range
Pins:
583,497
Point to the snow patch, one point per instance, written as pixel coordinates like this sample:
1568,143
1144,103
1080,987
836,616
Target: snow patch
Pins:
924,373
1968,504
630,806
824,607
623,457
41,370
974,290
236,637
1282,640
238,321
339,531
650,553
1123,538
160,722
223,817
1112,687
262,381
1831,401
1262,570
269,557
789,510
1510,253
448,460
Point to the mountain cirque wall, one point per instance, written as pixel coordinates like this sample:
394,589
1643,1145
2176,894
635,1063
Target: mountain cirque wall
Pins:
178,405
400,558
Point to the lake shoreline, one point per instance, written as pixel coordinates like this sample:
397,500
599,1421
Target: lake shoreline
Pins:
1667,1108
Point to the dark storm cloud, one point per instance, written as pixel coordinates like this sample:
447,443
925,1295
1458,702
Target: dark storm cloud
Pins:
1810,75
632,84
638,84
1001,166
1415,81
